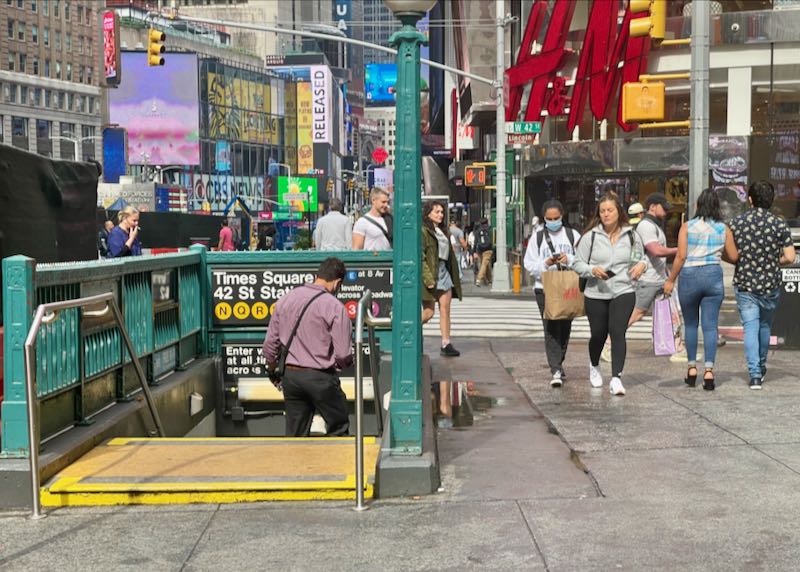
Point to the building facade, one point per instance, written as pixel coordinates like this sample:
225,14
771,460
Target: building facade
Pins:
50,99
585,149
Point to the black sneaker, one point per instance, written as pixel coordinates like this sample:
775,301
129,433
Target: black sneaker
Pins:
755,383
450,351
763,373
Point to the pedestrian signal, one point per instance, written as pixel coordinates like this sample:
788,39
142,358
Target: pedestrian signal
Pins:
475,176
155,47
642,101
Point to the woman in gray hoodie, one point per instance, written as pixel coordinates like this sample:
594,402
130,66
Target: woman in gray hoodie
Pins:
611,257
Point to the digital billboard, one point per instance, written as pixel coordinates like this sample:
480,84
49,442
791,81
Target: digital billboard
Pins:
111,55
380,83
159,107
298,192
114,154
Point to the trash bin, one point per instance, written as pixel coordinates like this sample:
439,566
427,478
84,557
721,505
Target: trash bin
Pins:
786,326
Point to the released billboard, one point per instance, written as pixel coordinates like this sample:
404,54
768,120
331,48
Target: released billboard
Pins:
159,107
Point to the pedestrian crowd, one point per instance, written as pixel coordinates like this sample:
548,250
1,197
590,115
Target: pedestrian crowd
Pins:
615,272
620,265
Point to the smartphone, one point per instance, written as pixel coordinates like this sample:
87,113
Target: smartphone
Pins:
610,273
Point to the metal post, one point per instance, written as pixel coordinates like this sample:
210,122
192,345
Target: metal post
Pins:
698,131
33,414
359,404
406,407
500,272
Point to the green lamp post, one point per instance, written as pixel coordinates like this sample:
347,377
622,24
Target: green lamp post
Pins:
405,412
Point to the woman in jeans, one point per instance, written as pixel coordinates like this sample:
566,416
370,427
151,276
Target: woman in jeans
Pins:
702,241
611,256
552,248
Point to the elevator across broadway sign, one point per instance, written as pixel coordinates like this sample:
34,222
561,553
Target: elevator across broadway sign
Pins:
246,296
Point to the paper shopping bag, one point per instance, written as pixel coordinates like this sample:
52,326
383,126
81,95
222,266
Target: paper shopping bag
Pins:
663,332
563,299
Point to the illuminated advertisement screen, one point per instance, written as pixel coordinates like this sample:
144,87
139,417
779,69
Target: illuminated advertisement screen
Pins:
380,80
159,107
298,192
114,156
111,71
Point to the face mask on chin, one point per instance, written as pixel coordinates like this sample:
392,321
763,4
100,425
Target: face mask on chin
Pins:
554,225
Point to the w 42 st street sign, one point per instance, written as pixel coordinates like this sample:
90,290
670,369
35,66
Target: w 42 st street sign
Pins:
526,127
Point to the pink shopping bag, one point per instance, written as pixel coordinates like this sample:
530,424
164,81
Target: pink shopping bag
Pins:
663,332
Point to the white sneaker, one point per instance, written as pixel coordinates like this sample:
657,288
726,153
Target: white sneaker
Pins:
556,381
595,377
615,387
318,426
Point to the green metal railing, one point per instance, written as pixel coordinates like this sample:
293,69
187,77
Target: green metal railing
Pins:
168,307
80,368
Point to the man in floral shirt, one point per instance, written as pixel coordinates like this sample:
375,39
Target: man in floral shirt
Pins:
764,242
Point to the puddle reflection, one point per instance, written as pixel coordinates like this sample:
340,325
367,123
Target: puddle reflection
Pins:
460,403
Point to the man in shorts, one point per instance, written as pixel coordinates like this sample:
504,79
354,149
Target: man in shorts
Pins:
651,231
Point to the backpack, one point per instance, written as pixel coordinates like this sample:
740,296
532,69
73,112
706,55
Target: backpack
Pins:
483,239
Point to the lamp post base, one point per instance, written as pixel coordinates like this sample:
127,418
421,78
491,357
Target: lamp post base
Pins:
501,282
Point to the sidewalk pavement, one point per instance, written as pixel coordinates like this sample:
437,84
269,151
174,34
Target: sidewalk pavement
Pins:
664,478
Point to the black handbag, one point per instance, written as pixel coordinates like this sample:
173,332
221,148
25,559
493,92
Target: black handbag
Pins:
276,375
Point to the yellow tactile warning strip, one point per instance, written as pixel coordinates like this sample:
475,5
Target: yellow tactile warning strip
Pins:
221,470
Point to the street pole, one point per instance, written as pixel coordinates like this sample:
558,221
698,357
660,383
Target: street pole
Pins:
405,412
698,131
500,272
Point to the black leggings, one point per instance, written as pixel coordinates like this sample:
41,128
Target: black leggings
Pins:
609,317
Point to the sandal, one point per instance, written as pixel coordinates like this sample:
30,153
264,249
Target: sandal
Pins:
708,382
691,380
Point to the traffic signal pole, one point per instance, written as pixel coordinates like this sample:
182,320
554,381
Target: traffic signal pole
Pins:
500,272
698,131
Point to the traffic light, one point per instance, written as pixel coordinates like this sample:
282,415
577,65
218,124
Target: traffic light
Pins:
155,47
655,25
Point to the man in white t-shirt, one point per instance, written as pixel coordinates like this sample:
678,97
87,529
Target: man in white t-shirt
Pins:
651,231
371,231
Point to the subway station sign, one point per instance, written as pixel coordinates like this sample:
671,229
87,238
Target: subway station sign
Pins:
246,296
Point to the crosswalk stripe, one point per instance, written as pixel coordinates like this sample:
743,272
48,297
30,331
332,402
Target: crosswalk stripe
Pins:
512,318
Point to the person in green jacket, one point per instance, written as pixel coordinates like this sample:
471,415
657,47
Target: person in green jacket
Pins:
440,278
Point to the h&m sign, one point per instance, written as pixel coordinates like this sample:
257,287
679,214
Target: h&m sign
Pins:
599,72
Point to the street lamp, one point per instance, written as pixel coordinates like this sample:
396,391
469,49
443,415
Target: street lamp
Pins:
405,412
76,141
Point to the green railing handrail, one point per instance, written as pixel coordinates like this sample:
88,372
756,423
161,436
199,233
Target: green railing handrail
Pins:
49,274
76,350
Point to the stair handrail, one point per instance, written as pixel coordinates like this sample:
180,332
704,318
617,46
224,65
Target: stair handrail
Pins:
47,313
364,317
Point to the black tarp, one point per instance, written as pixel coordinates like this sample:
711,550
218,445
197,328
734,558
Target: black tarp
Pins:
47,207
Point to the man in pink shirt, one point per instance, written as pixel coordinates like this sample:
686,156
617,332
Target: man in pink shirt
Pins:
225,237
321,346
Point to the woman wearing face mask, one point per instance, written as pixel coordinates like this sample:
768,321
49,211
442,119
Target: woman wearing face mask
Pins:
552,248
611,256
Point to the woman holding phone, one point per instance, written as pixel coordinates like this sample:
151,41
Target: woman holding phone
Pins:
611,257
552,248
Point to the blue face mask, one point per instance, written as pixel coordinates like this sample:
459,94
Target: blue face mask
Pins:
553,225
